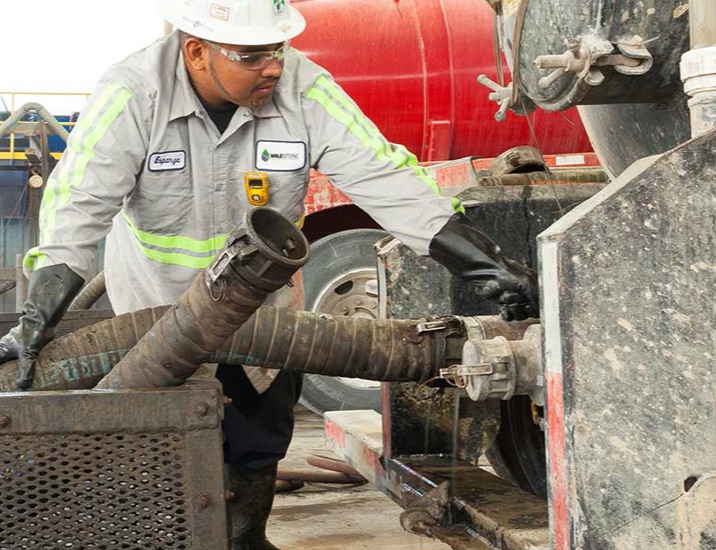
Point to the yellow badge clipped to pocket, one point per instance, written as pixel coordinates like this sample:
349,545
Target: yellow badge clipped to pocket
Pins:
257,188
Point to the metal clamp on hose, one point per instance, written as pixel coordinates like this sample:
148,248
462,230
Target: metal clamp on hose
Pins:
213,275
265,252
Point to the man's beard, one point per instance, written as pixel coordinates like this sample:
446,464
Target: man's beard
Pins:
258,102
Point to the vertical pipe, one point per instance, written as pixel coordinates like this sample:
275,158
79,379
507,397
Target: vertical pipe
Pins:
698,66
20,283
702,23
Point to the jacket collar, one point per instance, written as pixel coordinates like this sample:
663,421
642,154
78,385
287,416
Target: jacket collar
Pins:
269,110
184,99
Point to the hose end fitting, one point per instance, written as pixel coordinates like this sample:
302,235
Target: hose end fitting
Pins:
265,251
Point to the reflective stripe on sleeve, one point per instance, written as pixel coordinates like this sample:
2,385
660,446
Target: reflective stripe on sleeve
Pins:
88,132
339,106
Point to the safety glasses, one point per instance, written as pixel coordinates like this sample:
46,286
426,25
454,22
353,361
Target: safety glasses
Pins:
252,61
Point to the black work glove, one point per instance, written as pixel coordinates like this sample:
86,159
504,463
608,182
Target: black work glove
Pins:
49,294
471,255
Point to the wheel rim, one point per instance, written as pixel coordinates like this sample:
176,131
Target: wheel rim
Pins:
349,295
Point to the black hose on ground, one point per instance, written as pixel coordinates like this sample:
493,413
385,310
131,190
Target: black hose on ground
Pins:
259,258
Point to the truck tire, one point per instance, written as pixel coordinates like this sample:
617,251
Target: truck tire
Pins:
518,453
334,280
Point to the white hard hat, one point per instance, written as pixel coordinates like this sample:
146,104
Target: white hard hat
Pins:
238,22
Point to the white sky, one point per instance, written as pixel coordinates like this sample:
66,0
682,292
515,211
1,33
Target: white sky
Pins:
66,45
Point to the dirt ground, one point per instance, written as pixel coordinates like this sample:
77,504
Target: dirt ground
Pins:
332,517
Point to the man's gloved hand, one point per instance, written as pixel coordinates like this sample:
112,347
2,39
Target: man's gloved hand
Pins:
49,294
471,255
9,345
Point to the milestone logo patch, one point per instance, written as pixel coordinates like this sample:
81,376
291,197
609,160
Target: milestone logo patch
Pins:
280,156
169,160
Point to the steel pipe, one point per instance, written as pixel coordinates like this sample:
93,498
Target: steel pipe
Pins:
44,114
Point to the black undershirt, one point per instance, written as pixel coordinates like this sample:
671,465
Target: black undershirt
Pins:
221,116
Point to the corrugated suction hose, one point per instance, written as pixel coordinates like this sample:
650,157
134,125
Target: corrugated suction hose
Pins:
258,258
382,349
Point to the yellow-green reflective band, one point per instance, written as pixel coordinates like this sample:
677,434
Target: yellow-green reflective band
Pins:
49,195
347,113
33,259
83,147
344,118
176,258
350,122
343,99
384,149
212,245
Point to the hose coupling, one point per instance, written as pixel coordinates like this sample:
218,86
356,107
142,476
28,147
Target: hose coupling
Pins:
265,252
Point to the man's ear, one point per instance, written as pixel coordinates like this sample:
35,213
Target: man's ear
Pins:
196,53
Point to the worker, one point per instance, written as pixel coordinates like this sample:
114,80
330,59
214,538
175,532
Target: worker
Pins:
157,162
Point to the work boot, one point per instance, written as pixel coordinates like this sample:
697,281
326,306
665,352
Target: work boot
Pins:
249,509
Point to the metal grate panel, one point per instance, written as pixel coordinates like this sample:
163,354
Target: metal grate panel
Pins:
97,491
131,470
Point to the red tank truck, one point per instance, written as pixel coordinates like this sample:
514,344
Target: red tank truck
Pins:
411,65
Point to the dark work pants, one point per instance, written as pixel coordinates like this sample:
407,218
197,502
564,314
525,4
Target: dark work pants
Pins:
257,427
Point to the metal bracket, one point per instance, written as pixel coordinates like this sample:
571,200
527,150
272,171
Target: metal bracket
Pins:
502,95
214,273
466,370
586,55
431,326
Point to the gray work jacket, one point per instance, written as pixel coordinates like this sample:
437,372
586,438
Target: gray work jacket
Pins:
147,165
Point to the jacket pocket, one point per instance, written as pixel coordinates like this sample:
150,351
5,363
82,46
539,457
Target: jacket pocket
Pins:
161,203
287,191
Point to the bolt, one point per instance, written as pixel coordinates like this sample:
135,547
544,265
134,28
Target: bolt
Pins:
202,501
4,421
202,409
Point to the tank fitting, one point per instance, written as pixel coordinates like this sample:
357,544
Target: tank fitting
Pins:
498,368
698,72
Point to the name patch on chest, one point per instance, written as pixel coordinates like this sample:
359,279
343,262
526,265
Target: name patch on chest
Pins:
280,156
169,160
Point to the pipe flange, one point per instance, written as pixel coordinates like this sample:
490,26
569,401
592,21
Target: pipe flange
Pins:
698,70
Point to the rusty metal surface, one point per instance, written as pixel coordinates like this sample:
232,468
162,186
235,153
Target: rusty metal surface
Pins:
629,334
481,508
421,418
134,470
483,512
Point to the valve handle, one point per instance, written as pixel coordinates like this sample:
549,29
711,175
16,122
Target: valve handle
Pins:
502,95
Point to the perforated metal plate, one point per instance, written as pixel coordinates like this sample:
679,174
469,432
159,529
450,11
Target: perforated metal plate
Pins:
144,472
